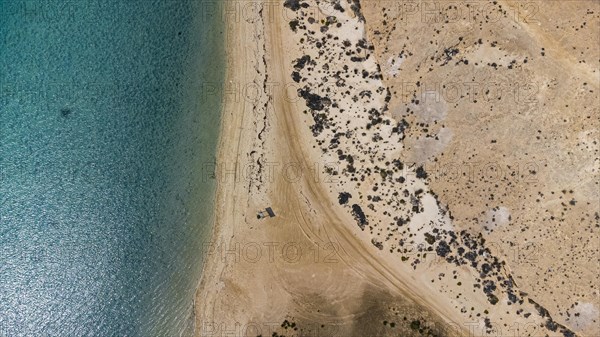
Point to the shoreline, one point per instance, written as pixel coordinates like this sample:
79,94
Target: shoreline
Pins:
226,148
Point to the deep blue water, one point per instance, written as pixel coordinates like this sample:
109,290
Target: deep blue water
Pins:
102,136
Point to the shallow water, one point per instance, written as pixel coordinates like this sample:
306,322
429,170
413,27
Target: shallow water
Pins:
102,137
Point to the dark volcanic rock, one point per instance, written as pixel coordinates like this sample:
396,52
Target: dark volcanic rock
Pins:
471,256
551,325
488,287
343,197
301,62
486,268
314,101
377,244
492,299
512,297
421,172
359,215
296,76
355,6
443,249
294,4
294,25
541,310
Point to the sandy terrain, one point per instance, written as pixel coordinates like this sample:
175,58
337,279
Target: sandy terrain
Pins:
324,121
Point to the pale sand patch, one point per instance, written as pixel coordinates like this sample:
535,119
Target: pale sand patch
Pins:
584,316
393,65
496,217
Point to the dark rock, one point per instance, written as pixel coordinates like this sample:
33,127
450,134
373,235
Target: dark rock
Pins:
443,249
421,172
359,215
492,299
429,238
296,77
551,325
294,25
541,310
314,101
488,287
355,6
301,62
471,256
377,244
343,197
512,297
294,4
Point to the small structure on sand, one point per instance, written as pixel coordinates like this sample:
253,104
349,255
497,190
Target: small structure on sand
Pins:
261,214
270,211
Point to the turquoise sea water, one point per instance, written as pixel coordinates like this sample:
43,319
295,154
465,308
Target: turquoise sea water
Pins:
102,136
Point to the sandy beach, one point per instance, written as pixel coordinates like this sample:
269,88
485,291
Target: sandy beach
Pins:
325,121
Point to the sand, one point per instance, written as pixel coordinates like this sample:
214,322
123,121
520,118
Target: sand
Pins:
368,240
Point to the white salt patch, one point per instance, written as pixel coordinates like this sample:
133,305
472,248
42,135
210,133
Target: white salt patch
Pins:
424,148
432,107
393,65
370,64
428,219
496,217
583,316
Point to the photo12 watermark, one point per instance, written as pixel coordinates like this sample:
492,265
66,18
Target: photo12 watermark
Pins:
491,172
287,252
461,12
286,328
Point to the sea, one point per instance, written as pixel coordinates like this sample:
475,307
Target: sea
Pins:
106,130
